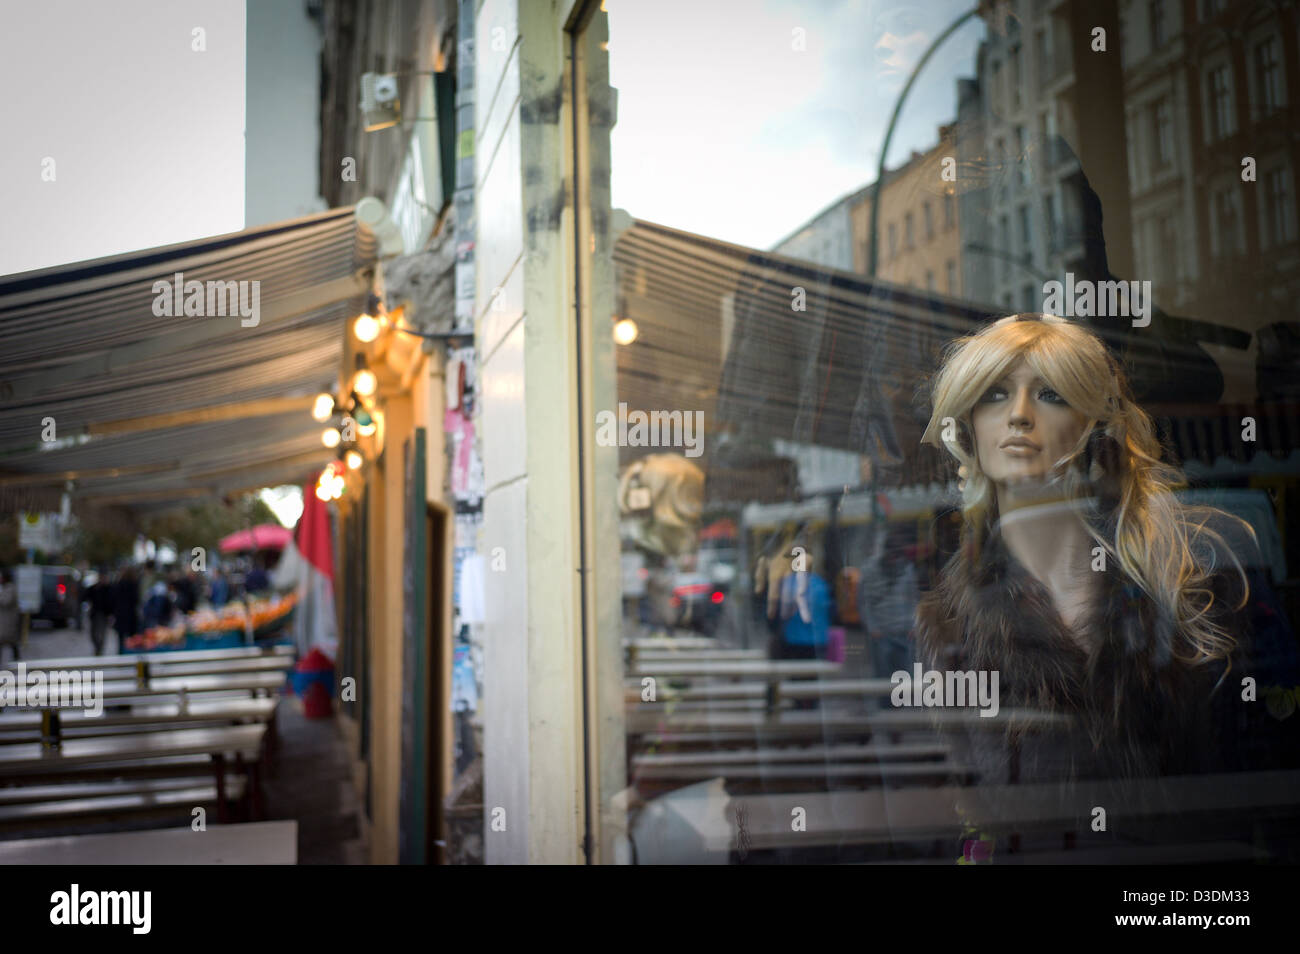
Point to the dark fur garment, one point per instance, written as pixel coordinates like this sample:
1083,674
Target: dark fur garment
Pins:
1136,710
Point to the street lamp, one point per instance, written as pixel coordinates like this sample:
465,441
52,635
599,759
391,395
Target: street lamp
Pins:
889,135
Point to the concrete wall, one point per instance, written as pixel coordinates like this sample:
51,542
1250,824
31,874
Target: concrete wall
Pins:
281,127
533,688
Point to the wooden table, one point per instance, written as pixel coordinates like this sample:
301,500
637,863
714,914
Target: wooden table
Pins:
767,670
814,723
647,657
24,725
255,843
129,660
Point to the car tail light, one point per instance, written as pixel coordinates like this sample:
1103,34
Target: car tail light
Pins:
717,596
691,589
61,590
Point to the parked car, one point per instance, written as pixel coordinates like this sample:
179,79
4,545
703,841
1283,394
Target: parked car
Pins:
60,596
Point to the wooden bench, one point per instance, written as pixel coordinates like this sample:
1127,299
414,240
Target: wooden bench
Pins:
93,802
25,725
33,763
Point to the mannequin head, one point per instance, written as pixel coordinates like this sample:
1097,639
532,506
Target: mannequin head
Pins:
1046,384
1052,382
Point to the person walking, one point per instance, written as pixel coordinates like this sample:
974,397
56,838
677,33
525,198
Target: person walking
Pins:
100,598
126,607
9,633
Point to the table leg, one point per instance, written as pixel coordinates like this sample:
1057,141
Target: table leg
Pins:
219,772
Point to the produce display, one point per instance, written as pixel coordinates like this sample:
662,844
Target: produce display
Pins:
206,627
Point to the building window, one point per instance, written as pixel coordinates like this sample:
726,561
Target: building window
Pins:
952,277
1043,56
1278,214
1022,155
1157,15
1049,213
1006,304
1167,246
893,240
929,281
928,215
1004,246
1219,91
1163,125
1026,232
909,233
995,87
1225,237
1029,298
1268,76
949,211
1016,74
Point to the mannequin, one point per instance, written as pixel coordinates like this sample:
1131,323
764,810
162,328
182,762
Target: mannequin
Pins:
1081,577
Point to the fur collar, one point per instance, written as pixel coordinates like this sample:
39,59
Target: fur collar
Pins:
1138,708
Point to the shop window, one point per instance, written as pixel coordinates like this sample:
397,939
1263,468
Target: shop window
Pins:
927,215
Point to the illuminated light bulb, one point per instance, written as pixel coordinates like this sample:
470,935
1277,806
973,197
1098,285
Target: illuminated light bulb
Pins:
366,328
330,437
625,331
322,493
323,408
355,460
365,382
365,430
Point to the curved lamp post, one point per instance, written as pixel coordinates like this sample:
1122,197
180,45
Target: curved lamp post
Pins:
889,134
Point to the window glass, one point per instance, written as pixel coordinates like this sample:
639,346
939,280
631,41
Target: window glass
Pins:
802,527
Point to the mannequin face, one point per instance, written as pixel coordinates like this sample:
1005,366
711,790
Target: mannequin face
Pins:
1022,428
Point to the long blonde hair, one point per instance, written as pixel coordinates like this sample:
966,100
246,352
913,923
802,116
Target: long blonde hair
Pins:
1162,545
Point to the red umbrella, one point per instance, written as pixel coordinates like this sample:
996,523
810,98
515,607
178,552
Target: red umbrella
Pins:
265,536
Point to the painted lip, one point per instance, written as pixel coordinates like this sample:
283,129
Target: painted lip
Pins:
1020,442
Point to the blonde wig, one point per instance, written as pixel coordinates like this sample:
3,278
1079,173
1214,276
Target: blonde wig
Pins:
1114,472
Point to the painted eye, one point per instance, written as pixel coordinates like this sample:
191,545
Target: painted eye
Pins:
994,393
1051,397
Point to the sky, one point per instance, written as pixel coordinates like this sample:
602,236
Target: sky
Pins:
145,132
734,124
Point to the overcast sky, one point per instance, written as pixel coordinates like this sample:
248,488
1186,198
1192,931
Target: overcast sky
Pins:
146,133
725,125
726,129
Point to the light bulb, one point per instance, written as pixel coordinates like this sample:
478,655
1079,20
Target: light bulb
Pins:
322,493
354,459
366,328
365,382
330,437
625,331
365,430
323,408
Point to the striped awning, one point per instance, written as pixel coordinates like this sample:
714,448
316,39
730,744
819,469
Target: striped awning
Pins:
142,409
